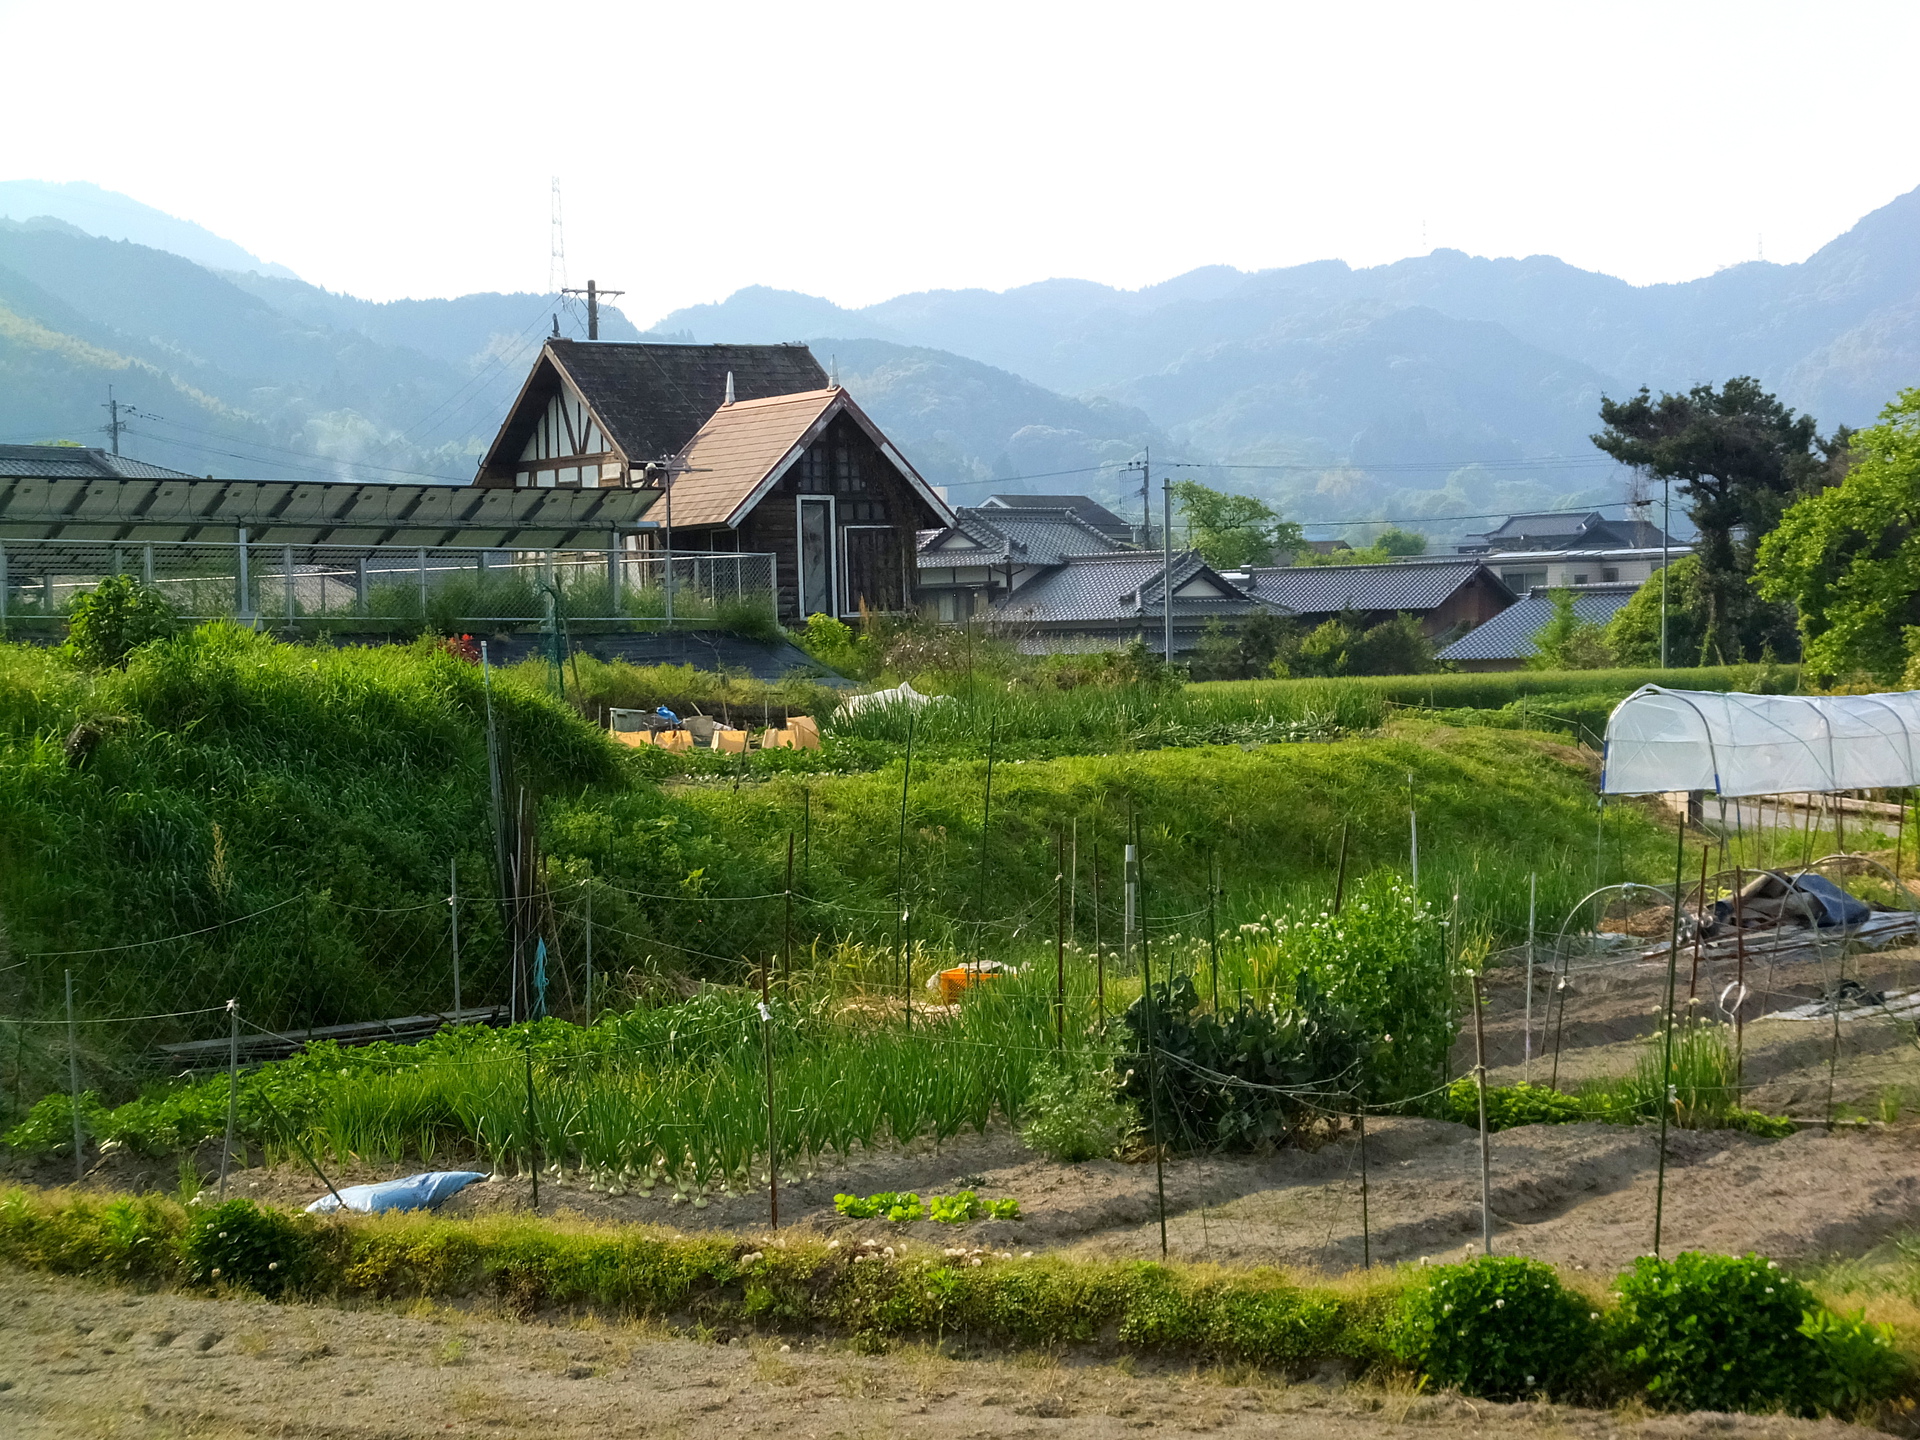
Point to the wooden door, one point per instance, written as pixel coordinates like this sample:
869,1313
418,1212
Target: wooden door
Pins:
876,573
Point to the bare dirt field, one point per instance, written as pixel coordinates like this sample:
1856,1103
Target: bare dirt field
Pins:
79,1361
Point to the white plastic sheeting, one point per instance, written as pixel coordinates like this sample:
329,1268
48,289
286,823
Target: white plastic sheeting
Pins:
1663,740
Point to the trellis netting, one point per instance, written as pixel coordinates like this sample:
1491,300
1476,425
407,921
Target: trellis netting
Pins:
1730,744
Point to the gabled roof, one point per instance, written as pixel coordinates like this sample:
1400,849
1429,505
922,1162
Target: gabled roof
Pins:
1092,512
652,399
1563,530
1122,585
743,449
1410,585
1026,536
77,462
1509,635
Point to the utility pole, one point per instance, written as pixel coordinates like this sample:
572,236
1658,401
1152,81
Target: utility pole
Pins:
1666,529
594,296
114,423
1166,563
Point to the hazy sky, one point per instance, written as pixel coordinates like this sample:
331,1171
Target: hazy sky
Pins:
860,150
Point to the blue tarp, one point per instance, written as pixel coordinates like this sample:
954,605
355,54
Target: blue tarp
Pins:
1840,907
415,1192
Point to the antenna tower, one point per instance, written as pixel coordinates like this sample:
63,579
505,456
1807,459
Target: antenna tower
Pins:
557,258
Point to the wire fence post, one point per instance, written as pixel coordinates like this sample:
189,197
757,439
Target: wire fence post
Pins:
1666,1095
1099,955
1413,834
1138,888
453,916
1340,875
73,1085
533,1127
1533,899
1213,925
900,879
773,1137
1060,939
587,896
1486,1152
786,946
1366,1230
233,1089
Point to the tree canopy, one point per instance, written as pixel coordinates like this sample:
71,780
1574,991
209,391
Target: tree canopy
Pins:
1232,532
1739,457
1848,557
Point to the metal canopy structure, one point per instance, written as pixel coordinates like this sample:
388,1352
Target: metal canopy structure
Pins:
90,508
1661,740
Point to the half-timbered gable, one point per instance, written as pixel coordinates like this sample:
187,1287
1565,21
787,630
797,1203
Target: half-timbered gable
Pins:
749,448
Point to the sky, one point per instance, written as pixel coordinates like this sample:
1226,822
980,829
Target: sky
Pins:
859,151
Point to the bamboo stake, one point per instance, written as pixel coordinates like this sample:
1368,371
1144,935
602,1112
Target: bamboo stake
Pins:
786,949
900,873
1740,985
533,1127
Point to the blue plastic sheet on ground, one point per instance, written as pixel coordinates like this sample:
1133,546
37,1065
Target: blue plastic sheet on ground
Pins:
415,1192
1840,907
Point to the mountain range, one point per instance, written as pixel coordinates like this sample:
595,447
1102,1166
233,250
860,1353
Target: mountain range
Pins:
1434,387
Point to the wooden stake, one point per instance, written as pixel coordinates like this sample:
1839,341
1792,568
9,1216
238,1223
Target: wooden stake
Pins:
786,950
1059,938
1099,954
73,1086
533,1129
233,1089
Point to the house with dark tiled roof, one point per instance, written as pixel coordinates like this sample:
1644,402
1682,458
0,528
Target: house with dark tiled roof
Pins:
991,552
745,447
1573,549
1506,642
1450,595
1105,600
1081,507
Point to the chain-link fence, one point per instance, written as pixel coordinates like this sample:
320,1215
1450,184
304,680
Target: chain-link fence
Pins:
348,587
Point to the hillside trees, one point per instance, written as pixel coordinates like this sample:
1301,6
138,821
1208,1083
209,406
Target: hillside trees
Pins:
1740,457
1848,557
1232,532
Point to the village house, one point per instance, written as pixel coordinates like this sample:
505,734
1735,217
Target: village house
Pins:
747,448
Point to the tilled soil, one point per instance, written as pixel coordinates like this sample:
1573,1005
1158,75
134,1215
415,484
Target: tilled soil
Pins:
79,1361
1583,1195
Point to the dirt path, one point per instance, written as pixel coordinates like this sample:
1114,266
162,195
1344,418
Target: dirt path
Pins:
77,1361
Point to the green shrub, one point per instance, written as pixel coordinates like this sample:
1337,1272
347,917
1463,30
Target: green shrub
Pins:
1502,1327
1720,1332
115,618
242,1244
1074,1112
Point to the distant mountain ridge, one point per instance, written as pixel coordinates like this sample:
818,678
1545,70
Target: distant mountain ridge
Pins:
1835,334
1430,391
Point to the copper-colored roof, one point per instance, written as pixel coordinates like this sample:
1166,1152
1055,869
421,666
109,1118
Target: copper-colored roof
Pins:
740,446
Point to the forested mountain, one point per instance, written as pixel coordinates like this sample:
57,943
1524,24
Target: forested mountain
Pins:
1438,386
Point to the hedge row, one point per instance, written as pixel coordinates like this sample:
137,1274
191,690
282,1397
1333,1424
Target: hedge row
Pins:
1695,1332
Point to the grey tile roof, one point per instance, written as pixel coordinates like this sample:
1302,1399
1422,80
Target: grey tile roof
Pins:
1089,510
1509,635
1030,536
1563,529
75,462
1116,586
1411,585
